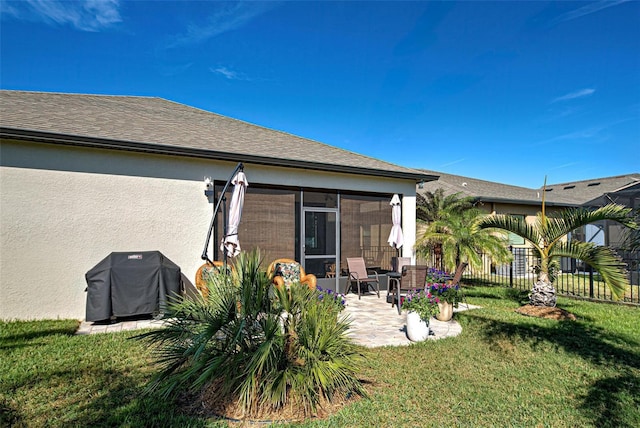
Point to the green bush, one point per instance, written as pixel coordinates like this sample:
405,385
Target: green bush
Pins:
257,345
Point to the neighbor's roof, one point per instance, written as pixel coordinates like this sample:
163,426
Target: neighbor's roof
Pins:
156,125
563,194
582,192
487,191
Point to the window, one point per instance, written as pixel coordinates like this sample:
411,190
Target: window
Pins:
513,238
364,230
270,220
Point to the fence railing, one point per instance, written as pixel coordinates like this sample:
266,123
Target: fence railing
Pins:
575,279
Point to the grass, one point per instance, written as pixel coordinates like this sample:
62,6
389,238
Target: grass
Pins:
503,370
566,284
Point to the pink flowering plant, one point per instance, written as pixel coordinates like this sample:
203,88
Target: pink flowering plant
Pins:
437,286
444,292
422,302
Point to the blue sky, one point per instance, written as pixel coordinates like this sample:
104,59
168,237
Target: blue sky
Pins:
502,91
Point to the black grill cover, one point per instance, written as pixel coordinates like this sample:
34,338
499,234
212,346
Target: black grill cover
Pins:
128,284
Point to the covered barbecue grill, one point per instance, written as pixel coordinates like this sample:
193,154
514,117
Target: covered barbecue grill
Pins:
129,284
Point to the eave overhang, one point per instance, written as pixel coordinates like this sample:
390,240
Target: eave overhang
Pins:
164,149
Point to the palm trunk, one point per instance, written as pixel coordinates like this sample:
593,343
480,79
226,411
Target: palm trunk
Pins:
543,293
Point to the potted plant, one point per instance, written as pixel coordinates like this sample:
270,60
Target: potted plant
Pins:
437,276
448,297
420,305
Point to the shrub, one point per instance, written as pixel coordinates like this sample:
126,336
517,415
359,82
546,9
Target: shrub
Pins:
261,346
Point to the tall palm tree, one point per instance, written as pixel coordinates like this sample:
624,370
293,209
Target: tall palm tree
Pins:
546,236
461,240
434,205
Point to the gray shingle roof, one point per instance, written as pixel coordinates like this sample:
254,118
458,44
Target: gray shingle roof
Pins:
488,191
587,190
158,125
571,194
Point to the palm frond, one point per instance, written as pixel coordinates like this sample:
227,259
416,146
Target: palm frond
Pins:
602,259
570,219
435,205
512,224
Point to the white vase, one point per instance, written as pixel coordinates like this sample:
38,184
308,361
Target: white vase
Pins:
417,330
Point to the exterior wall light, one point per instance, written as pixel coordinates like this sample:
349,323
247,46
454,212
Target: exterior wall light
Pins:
208,187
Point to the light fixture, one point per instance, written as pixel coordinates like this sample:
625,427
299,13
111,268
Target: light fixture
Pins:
208,187
421,184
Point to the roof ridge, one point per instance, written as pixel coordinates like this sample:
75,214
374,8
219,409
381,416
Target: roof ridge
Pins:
82,94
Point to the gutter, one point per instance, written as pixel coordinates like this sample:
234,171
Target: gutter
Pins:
527,202
163,149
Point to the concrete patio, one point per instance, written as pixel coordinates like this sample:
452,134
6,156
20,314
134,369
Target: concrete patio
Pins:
374,323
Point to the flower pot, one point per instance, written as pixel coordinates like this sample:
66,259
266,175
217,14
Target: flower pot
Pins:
417,330
446,311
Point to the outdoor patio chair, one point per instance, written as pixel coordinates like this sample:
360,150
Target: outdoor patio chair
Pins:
359,275
285,272
397,263
205,273
412,278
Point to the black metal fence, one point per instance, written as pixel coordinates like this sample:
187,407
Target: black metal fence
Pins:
575,279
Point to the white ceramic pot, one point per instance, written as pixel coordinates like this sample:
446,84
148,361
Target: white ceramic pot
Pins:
417,330
446,311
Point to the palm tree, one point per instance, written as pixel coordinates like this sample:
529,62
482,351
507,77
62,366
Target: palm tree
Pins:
461,240
434,205
546,236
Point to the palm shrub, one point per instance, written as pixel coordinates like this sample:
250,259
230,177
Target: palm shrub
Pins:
461,240
255,345
436,206
546,236
321,361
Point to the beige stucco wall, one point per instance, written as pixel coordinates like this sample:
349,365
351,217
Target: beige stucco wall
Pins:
63,209
529,211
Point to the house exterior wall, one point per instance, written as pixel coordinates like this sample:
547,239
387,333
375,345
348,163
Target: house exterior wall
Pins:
529,211
63,209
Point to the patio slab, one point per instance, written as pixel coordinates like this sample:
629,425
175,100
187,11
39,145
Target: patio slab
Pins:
88,327
374,323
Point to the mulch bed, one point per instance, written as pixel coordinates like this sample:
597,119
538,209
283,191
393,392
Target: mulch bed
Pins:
210,405
554,313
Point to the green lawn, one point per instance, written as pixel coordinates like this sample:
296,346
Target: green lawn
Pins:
567,283
503,370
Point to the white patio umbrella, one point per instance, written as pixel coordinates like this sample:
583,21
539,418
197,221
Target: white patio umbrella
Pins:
396,239
231,243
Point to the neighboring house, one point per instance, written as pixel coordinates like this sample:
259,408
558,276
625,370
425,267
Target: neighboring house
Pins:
521,201
495,198
82,176
597,192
